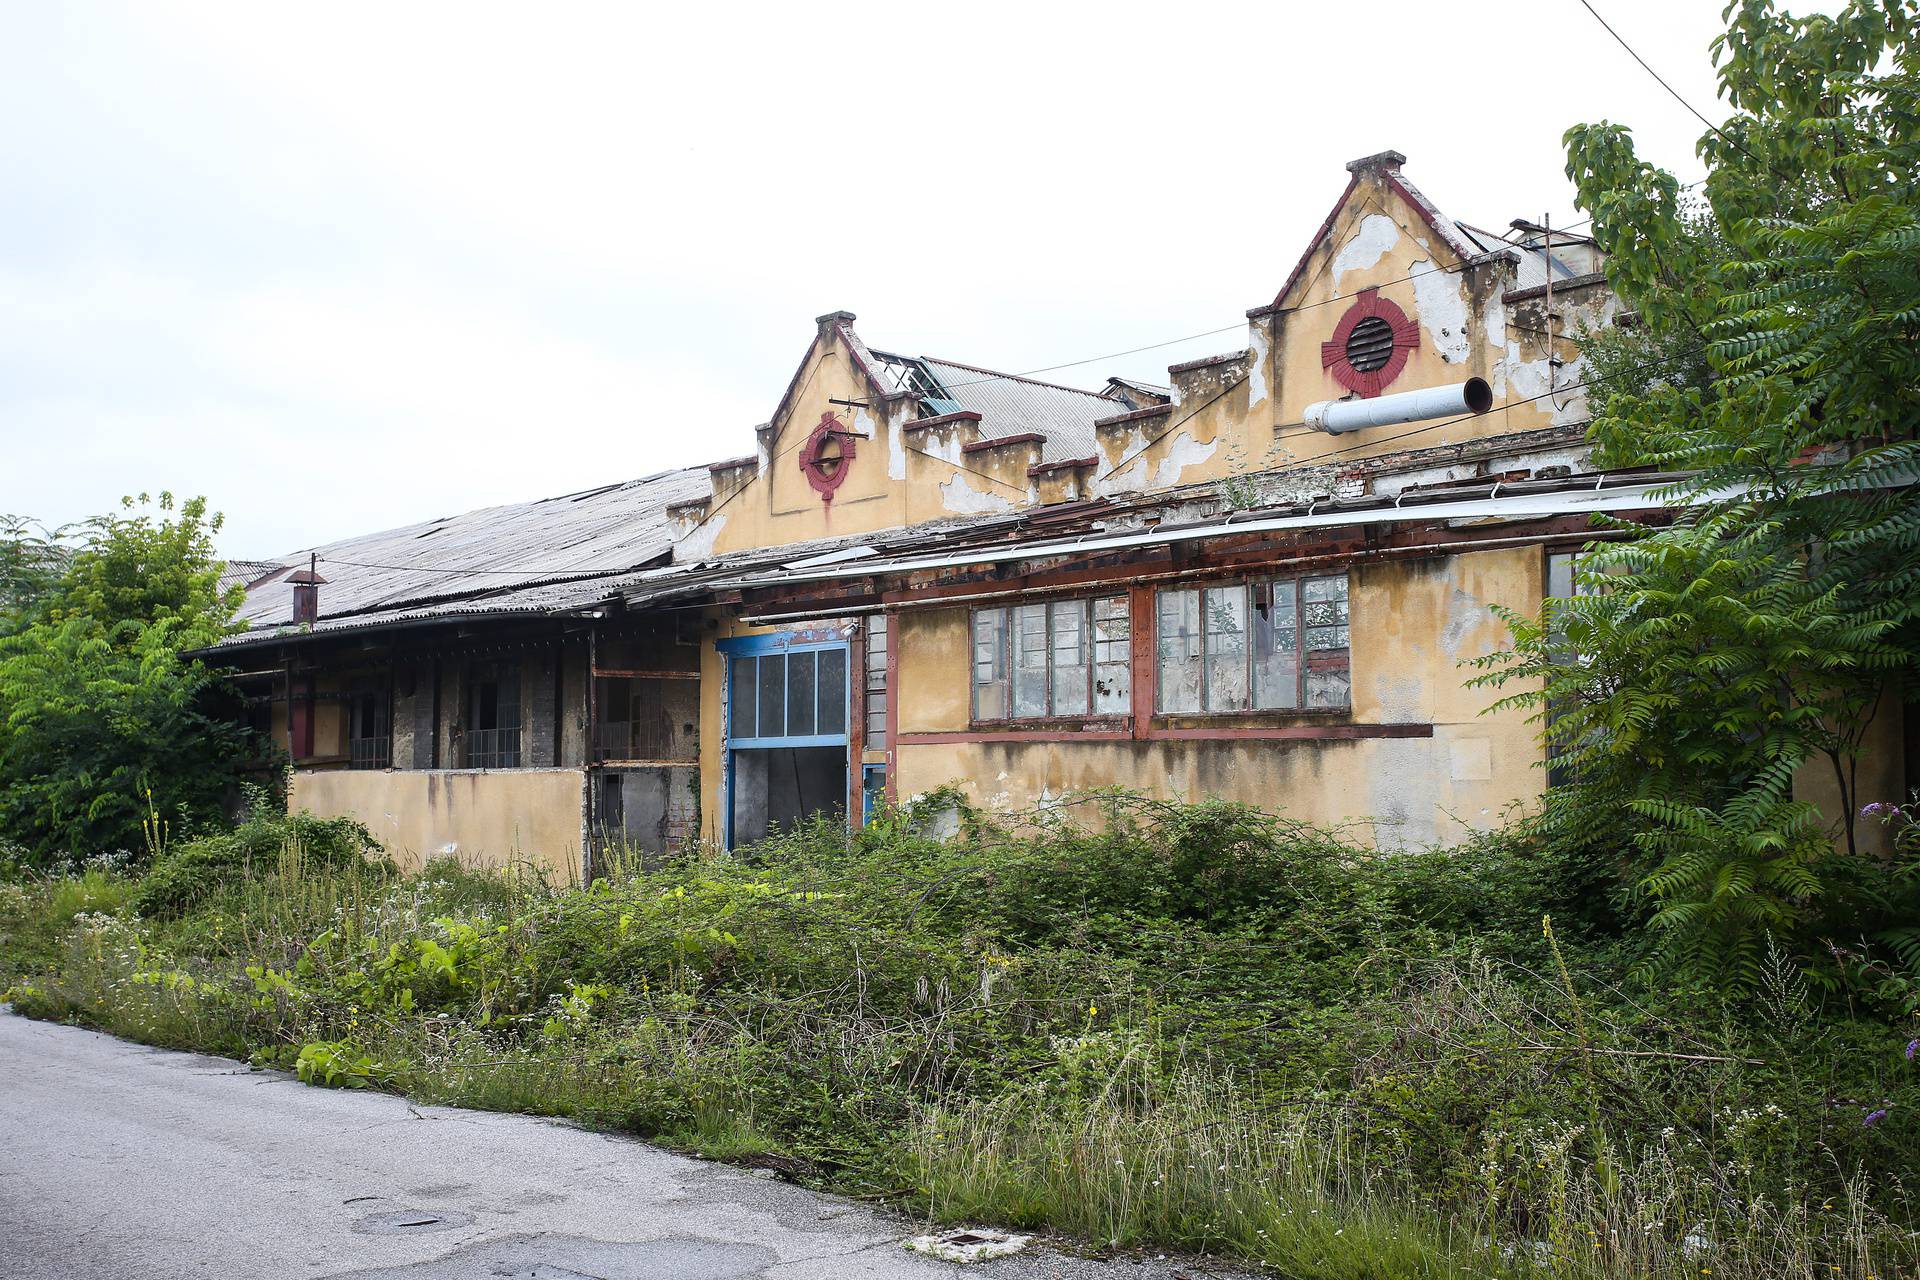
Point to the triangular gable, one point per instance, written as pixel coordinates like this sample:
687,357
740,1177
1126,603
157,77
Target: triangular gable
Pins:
1387,164
840,324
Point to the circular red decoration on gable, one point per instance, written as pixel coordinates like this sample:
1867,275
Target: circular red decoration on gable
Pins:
1370,344
827,455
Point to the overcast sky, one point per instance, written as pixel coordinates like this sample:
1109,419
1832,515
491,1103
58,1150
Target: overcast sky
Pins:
345,267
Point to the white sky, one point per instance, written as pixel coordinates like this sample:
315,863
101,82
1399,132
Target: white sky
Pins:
344,267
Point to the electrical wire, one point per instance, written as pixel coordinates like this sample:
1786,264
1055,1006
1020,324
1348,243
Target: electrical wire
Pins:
1661,80
1127,461
1303,464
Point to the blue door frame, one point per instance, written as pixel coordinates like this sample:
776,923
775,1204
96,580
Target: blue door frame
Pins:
815,640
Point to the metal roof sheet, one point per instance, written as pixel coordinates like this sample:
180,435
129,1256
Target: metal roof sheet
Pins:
546,554
1011,405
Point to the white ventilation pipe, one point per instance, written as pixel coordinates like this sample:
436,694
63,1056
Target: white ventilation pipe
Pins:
1473,396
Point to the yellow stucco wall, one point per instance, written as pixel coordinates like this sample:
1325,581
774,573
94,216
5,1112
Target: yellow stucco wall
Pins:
1413,623
1231,418
484,818
1246,416
1880,774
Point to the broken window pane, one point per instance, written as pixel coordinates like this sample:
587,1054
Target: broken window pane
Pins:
1030,660
1328,685
990,664
1325,607
800,695
832,679
742,692
1070,666
1226,647
1112,656
1178,649
1276,647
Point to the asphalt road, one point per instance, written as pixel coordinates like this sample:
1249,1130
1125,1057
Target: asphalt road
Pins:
120,1161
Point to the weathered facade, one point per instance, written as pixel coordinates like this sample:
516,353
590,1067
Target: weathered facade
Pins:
1258,581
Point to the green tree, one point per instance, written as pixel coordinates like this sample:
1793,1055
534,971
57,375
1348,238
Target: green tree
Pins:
32,558
104,716
1755,640
143,567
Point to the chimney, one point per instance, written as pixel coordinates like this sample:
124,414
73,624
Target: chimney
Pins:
306,593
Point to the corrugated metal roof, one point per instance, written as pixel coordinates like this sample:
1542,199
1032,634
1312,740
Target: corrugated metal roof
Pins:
552,553
1009,405
244,573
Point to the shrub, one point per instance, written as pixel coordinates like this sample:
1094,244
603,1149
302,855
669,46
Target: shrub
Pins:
195,869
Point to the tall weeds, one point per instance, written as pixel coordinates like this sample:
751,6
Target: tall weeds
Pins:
1167,1026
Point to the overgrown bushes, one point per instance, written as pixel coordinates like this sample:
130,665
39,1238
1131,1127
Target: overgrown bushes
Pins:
1148,1024
187,873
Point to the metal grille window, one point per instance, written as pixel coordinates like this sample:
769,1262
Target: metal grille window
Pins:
1273,645
1063,658
1370,345
876,681
789,697
493,717
369,729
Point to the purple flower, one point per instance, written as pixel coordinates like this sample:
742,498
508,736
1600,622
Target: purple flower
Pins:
1913,1047
1874,1118
1872,810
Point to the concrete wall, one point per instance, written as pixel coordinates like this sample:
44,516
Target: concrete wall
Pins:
1237,415
486,818
1413,623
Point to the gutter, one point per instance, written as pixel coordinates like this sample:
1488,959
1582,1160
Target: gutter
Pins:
1597,498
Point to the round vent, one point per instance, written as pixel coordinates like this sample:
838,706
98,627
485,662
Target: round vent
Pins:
1370,345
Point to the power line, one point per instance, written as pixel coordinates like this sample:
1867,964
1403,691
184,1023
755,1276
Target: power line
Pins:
1302,464
1621,41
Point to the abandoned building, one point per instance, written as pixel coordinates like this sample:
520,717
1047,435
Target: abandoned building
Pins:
1257,581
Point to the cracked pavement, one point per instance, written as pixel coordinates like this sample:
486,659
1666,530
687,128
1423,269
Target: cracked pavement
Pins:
123,1161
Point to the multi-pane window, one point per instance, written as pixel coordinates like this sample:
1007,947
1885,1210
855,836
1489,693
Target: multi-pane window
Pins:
1267,645
1563,584
1060,658
493,717
801,694
369,728
875,701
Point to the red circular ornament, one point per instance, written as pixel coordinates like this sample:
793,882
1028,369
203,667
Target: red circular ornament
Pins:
827,455
1338,355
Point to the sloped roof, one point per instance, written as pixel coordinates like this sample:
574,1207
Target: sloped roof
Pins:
1009,404
1531,258
552,553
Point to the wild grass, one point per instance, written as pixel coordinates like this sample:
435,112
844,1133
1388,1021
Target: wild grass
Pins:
1185,1027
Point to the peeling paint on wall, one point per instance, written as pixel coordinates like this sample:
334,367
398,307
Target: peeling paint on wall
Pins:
1372,240
697,543
1131,478
896,442
962,498
1466,613
1257,367
1182,452
1441,298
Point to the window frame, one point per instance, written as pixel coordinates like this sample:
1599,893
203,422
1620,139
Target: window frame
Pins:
1306,661
876,635
370,751
496,755
1005,630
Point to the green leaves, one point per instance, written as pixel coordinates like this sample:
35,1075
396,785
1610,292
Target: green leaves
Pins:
102,714
1725,670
